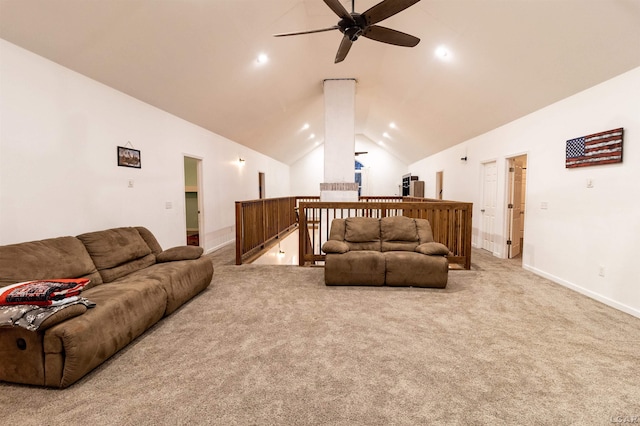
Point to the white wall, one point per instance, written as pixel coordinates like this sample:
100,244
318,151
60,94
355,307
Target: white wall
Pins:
58,173
384,170
308,173
583,228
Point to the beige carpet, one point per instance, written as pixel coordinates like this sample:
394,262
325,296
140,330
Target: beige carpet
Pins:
272,345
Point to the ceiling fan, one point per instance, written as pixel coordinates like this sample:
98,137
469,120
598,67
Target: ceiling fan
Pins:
354,25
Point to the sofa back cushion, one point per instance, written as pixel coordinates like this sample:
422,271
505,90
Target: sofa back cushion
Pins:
150,239
362,233
424,231
338,227
63,257
398,233
117,252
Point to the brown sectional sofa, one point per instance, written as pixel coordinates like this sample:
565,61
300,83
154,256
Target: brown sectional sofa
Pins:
393,251
134,284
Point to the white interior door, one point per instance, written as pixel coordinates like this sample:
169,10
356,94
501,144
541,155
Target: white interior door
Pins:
515,207
489,200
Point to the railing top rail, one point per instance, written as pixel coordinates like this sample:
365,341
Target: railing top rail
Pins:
357,205
368,200
260,200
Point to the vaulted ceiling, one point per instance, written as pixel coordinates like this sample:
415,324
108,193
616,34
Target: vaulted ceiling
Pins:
197,60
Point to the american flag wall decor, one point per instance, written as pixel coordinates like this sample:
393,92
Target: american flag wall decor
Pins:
596,149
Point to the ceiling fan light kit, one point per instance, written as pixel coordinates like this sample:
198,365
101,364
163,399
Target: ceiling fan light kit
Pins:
354,25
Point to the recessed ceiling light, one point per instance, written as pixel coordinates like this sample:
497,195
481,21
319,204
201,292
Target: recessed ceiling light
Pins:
386,135
311,136
392,125
443,53
262,58
306,126
380,143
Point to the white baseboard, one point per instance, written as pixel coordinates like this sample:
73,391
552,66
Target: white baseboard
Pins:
219,246
600,298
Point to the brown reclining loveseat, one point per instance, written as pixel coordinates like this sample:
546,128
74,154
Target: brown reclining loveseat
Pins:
393,251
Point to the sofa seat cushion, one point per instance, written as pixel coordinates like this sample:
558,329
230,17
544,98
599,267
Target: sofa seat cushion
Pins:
181,280
112,249
415,269
122,313
355,268
63,257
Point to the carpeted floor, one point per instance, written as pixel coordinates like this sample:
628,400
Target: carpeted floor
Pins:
267,345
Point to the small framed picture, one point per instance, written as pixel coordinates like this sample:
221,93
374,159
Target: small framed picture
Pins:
129,157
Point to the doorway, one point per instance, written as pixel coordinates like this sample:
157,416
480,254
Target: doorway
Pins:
261,186
517,178
489,198
439,187
193,200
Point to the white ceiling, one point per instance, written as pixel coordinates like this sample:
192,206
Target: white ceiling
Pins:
197,59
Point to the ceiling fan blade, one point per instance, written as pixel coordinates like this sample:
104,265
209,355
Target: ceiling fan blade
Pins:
345,45
339,9
387,35
335,27
385,9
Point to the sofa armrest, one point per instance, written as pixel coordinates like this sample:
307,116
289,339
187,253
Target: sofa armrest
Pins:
432,249
335,247
179,253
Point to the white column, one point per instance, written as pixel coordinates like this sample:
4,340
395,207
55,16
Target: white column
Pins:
339,141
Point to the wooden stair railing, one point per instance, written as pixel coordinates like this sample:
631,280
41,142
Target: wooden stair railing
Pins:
451,223
260,222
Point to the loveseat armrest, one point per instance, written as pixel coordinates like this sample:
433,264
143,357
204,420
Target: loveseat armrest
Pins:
179,253
335,247
433,249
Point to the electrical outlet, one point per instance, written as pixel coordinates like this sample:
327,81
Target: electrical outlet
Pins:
130,183
168,205
544,205
589,183
601,271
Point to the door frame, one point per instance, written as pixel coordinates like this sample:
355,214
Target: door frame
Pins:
507,216
200,191
439,184
262,191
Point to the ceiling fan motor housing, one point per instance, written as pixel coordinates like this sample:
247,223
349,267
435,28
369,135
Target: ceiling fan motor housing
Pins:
353,28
